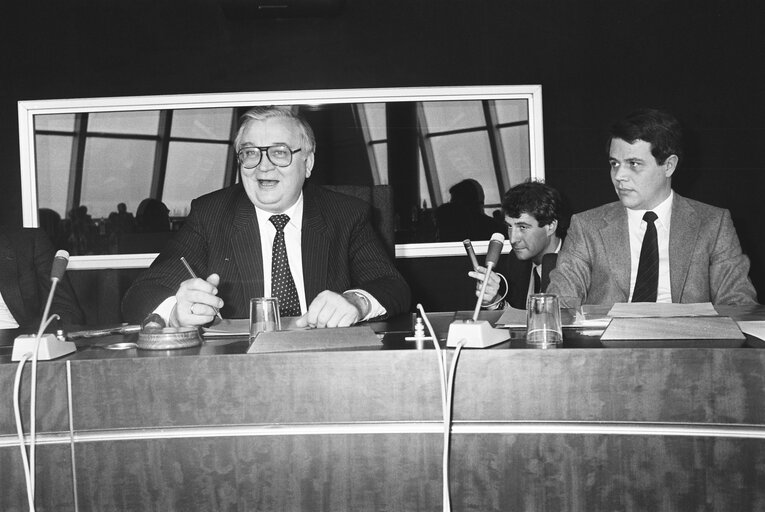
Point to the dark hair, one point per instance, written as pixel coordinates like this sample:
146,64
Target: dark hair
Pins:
539,200
656,127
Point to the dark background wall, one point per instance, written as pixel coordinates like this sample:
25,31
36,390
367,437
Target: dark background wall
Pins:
596,60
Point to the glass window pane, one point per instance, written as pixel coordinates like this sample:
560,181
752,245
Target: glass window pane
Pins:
424,191
381,155
193,169
375,113
54,154
443,116
142,122
515,146
203,123
512,111
57,122
116,171
463,156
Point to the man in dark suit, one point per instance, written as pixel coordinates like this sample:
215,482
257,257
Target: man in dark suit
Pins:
536,219
337,270
694,251
26,257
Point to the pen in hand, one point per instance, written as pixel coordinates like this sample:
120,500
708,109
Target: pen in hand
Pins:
188,267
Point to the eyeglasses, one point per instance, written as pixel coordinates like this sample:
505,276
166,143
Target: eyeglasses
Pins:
279,154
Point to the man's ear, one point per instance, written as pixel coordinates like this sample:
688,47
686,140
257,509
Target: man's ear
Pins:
552,227
308,165
670,164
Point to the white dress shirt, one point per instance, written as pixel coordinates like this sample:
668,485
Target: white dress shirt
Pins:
637,227
538,269
292,240
6,317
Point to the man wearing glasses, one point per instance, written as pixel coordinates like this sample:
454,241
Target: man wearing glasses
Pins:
273,234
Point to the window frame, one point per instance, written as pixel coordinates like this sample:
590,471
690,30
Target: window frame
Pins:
29,108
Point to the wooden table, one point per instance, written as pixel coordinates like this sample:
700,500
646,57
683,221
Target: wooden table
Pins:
580,429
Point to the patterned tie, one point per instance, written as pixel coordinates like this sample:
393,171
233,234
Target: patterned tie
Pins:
282,284
647,281
537,280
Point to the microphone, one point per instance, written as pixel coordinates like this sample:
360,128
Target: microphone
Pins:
495,249
471,253
60,262
45,347
492,257
473,333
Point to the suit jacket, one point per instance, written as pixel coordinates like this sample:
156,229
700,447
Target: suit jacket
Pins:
26,257
221,235
706,262
518,275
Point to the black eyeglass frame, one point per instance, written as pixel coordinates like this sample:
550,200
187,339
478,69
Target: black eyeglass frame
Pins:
266,150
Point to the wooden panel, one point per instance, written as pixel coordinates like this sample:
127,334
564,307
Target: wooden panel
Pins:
330,473
52,412
54,490
685,385
559,473
254,389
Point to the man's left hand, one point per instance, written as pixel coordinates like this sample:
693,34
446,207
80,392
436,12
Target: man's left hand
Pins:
329,309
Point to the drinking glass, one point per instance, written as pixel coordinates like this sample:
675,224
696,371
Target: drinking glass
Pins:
543,325
264,315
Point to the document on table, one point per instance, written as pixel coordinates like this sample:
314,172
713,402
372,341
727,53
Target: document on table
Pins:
512,317
585,316
241,327
661,309
754,328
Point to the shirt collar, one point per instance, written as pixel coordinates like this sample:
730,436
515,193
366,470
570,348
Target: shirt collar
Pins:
663,211
295,213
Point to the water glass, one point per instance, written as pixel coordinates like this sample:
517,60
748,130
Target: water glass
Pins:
543,324
264,315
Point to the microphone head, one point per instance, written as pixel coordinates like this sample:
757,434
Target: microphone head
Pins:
60,261
495,249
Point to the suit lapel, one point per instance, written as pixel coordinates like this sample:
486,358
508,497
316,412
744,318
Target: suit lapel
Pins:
683,235
518,276
614,233
248,254
9,278
315,246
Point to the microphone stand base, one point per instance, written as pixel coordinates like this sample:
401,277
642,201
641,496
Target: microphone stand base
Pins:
478,334
50,347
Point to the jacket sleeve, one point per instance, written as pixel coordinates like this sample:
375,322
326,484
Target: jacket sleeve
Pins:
729,268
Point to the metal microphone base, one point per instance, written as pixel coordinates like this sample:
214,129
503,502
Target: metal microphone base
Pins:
50,347
478,334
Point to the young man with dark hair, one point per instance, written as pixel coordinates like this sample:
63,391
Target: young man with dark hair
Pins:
652,245
537,221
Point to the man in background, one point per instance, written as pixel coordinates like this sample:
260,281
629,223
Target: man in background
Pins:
26,258
273,234
536,220
652,245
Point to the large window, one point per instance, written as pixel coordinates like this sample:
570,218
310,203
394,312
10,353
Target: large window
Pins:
82,158
105,158
484,140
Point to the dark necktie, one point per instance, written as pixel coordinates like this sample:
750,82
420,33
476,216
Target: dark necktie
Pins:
282,284
647,281
537,280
